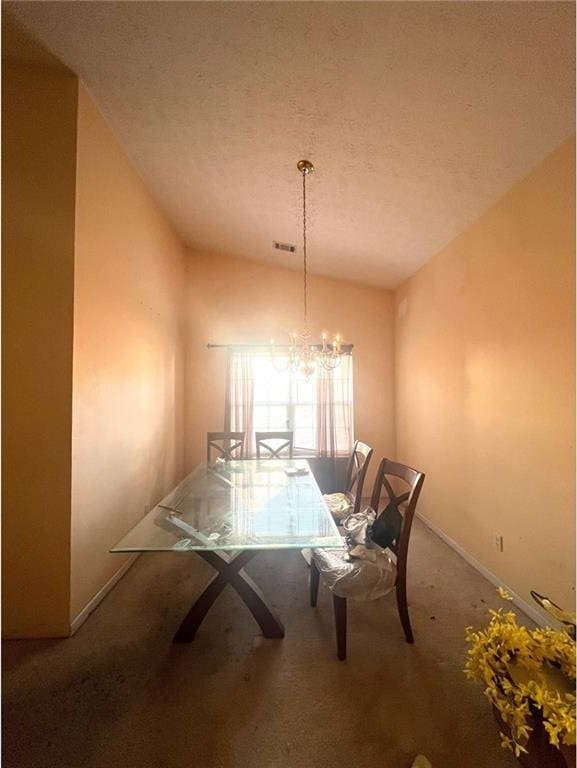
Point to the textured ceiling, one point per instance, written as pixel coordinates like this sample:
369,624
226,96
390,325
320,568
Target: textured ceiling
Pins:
417,116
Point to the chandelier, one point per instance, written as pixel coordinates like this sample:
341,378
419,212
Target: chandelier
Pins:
302,355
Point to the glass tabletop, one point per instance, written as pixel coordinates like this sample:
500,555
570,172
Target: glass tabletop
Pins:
252,504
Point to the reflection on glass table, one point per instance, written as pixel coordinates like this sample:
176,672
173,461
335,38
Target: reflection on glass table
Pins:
238,505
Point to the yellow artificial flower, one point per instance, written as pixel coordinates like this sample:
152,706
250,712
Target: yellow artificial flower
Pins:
519,748
517,667
506,742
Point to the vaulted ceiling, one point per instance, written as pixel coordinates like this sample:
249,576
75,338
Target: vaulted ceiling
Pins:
417,116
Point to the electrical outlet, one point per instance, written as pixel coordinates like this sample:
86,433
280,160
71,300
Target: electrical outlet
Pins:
498,542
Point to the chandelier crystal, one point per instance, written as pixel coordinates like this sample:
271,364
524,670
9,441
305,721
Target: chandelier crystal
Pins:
303,356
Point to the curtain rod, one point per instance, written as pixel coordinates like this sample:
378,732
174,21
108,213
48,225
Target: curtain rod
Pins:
345,347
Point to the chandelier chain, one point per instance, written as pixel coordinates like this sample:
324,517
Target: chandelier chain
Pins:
305,244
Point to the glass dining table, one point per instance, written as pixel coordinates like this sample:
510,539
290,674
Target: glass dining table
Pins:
229,512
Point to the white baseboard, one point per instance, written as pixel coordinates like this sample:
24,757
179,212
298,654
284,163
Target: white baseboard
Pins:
532,613
101,594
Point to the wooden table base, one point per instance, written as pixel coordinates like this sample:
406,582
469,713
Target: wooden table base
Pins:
229,571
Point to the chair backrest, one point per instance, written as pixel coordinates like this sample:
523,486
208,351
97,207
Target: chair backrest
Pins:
398,505
274,451
228,445
356,472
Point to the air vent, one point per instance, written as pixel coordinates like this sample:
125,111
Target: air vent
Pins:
284,246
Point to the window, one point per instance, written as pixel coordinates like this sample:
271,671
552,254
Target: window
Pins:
318,411
284,401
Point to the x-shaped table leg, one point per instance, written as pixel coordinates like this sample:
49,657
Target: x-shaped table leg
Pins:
229,571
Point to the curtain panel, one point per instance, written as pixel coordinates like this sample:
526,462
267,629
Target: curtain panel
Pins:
334,410
239,409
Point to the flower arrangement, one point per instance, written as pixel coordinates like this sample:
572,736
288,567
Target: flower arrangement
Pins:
529,676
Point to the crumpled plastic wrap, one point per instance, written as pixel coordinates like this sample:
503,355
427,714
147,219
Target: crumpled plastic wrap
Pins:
355,526
357,571
339,504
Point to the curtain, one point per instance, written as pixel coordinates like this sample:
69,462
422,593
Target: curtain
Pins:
335,410
239,408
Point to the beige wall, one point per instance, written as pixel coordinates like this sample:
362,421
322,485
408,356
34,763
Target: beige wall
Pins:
38,186
128,355
236,301
485,383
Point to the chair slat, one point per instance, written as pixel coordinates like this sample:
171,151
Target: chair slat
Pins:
229,445
262,443
356,472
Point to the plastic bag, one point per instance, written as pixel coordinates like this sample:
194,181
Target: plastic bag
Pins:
361,570
356,526
357,578
339,504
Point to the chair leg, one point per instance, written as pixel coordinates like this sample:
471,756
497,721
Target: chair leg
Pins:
314,579
401,591
340,606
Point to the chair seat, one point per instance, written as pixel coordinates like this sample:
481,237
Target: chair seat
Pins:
340,505
371,575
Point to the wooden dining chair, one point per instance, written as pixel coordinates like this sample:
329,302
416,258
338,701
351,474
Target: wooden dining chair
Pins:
264,440
346,502
228,445
394,523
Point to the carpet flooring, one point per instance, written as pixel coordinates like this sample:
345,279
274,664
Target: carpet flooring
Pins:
119,693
